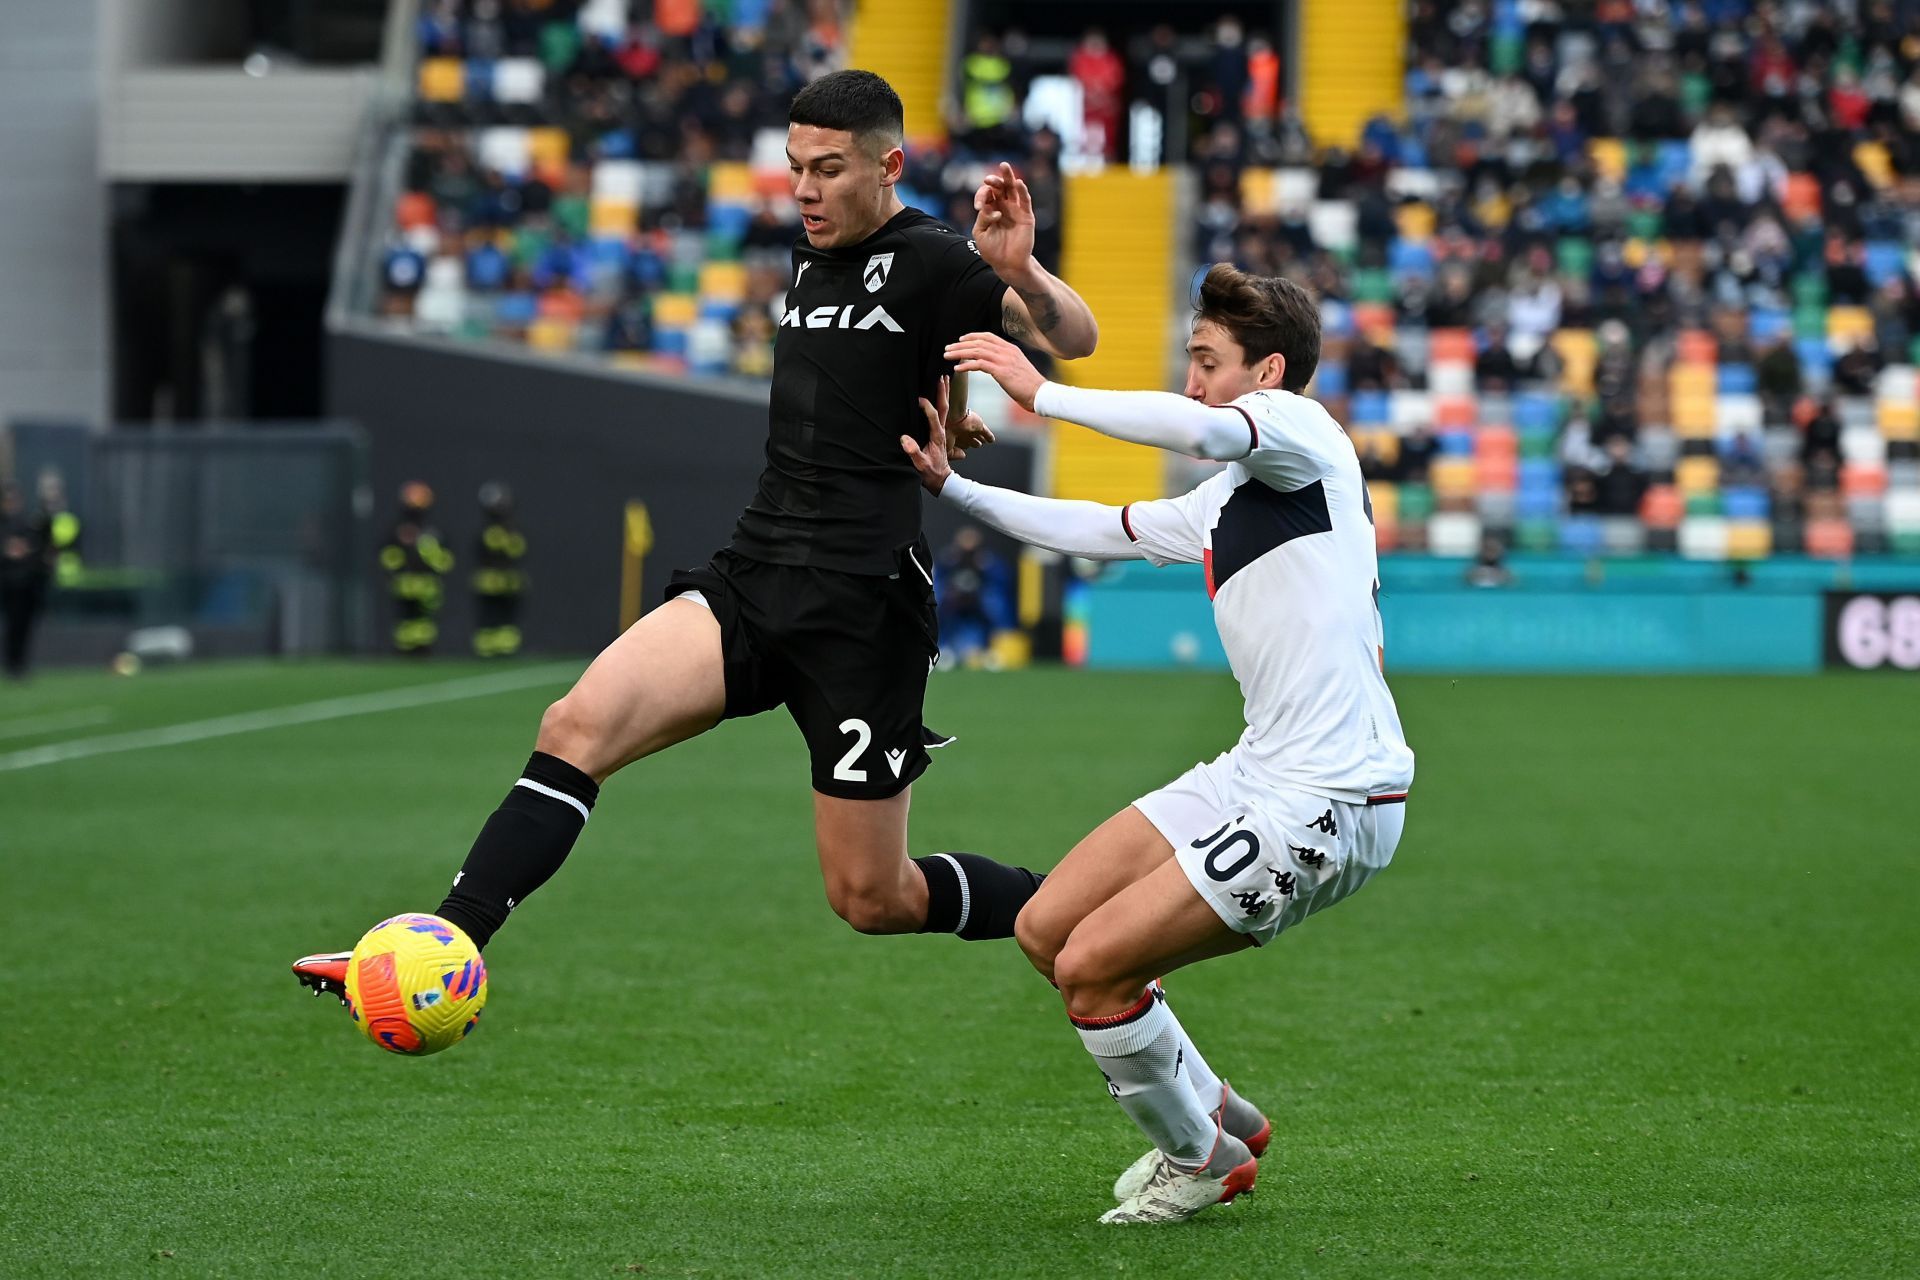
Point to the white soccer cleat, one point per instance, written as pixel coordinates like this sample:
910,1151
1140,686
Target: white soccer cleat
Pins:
1174,1194
1234,1114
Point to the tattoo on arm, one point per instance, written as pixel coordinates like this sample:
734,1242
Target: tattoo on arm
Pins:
1044,310
1014,320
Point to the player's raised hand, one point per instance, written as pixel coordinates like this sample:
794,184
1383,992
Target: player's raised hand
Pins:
1005,363
932,461
1003,222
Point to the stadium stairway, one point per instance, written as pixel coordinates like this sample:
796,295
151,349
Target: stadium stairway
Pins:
1118,253
907,43
1352,66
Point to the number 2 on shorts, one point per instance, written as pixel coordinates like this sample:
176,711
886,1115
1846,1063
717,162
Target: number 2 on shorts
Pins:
862,739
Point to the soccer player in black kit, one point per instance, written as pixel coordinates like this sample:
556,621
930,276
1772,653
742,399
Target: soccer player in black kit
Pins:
824,601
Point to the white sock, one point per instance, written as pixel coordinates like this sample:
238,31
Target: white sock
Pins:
1206,1085
1142,1054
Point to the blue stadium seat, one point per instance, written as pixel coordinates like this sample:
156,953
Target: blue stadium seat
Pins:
1747,504
1736,379
1534,410
1330,378
1581,535
1369,409
1886,260
1768,323
1410,258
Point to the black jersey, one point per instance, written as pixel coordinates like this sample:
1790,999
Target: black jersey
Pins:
863,338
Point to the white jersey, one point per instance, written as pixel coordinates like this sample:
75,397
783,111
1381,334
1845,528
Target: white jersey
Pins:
1286,535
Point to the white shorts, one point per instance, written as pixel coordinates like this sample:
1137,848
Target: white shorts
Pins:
1266,858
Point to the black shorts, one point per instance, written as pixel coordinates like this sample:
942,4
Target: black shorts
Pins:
847,653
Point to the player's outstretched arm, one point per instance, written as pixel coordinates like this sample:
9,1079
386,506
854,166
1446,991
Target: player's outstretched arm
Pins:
1039,308
1091,530
1158,418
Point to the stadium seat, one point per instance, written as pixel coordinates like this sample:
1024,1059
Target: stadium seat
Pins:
442,80
1863,480
1703,538
1829,538
1697,347
1697,474
1749,539
1454,533
1848,327
1622,536
1385,496
1581,535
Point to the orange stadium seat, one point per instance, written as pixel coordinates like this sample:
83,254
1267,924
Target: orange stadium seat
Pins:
1829,538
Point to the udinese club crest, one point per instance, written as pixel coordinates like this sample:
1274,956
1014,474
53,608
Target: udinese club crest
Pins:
878,268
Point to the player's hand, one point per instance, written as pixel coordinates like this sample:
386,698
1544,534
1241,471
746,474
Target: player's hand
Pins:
966,433
932,461
1005,363
1003,224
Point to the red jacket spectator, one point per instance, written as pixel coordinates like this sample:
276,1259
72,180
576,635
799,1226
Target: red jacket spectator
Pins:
1102,78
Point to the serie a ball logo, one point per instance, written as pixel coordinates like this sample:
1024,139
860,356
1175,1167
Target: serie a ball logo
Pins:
416,985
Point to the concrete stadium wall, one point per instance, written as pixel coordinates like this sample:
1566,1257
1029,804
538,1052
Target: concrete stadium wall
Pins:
53,211
576,440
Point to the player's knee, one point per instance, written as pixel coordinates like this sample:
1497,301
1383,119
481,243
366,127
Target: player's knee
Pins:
1089,979
1038,938
570,729
870,910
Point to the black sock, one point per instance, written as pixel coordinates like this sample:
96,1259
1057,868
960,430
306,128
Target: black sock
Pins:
522,845
973,896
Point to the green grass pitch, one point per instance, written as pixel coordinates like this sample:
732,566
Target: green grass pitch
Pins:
1640,996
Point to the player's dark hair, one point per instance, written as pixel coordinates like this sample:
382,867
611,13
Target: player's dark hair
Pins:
859,102
1265,314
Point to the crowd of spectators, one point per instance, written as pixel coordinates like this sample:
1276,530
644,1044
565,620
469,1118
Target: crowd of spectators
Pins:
610,177
1691,223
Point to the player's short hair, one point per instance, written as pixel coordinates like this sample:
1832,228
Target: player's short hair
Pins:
1264,314
859,102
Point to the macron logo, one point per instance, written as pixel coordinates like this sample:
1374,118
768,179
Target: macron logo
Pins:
839,318
895,759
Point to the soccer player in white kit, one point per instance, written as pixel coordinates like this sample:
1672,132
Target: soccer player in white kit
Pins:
1310,802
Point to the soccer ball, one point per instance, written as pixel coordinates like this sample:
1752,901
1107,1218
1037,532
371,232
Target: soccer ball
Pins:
416,985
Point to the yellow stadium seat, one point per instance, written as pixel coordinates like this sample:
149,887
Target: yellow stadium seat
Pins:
1415,220
723,281
1259,197
1693,415
1578,353
1697,475
548,148
548,334
1848,325
442,79
1609,156
675,310
1452,477
611,219
1691,380
1386,501
1899,421
729,182
1749,540
1874,162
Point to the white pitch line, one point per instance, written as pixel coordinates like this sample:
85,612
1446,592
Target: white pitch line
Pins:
359,704
55,722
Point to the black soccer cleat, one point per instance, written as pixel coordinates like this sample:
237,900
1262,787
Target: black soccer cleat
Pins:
326,973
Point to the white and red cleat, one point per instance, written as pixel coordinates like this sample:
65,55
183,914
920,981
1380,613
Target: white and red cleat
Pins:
1174,1194
1234,1114
326,973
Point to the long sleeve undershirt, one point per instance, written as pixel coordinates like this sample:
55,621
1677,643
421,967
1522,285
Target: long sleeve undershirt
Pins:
1158,418
1090,530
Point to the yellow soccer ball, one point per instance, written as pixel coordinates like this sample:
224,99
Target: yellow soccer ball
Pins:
416,985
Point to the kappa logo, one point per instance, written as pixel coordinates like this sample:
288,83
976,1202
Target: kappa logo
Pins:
839,318
895,760
879,267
